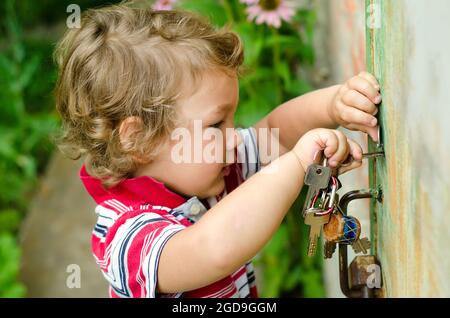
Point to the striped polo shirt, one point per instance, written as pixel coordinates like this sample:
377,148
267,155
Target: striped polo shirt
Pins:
138,216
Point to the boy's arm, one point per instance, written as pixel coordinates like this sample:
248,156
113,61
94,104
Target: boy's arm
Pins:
352,105
239,225
233,231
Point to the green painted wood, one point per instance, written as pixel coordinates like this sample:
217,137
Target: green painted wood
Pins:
408,54
373,59
384,27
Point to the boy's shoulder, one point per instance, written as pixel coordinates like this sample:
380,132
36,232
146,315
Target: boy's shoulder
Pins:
133,199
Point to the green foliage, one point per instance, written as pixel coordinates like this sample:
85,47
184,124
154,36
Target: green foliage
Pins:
274,58
287,270
9,259
26,122
44,13
208,8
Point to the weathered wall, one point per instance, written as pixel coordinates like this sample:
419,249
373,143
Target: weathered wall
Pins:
409,54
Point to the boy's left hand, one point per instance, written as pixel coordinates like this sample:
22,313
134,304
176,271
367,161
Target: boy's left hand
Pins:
354,106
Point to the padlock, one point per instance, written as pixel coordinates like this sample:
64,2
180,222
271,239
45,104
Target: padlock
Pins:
356,287
342,229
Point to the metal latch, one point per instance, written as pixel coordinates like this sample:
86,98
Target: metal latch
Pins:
356,281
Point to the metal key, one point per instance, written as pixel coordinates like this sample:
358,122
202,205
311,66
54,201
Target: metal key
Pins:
361,245
373,155
315,227
317,178
368,155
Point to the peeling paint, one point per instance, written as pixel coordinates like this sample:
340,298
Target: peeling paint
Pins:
411,226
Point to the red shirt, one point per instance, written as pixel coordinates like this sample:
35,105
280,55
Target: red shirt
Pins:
139,215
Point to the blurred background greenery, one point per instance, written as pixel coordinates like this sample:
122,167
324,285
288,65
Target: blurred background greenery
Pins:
275,56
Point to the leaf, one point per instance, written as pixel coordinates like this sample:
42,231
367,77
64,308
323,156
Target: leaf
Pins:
274,277
313,284
7,149
40,127
284,72
260,74
293,278
209,8
275,267
248,113
10,260
299,87
6,66
9,220
28,165
253,41
283,41
27,72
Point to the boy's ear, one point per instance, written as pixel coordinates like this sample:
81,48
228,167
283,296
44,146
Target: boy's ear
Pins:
128,127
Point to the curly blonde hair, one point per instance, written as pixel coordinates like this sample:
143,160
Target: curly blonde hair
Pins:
127,61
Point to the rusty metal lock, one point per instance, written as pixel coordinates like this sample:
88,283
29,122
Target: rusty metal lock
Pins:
364,275
357,286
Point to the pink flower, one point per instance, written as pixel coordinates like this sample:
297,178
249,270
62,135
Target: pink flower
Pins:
162,5
271,12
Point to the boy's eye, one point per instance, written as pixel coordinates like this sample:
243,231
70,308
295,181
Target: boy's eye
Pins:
217,125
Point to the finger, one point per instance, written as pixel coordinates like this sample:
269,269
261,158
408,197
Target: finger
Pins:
355,150
371,131
354,159
331,143
355,116
371,79
356,99
353,165
342,150
365,87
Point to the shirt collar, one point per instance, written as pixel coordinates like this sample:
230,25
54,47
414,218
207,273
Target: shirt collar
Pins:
143,189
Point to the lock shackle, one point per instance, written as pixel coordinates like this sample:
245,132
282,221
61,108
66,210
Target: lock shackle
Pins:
355,195
365,292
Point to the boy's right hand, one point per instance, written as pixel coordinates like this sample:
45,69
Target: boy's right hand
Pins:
335,146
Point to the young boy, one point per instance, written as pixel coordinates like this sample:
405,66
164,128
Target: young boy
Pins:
129,78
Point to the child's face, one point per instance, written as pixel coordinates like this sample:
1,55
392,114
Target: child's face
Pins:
210,109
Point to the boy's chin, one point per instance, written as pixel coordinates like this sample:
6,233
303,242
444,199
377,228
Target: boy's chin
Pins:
214,189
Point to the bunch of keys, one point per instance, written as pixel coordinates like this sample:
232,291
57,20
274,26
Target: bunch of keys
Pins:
318,178
325,213
344,229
